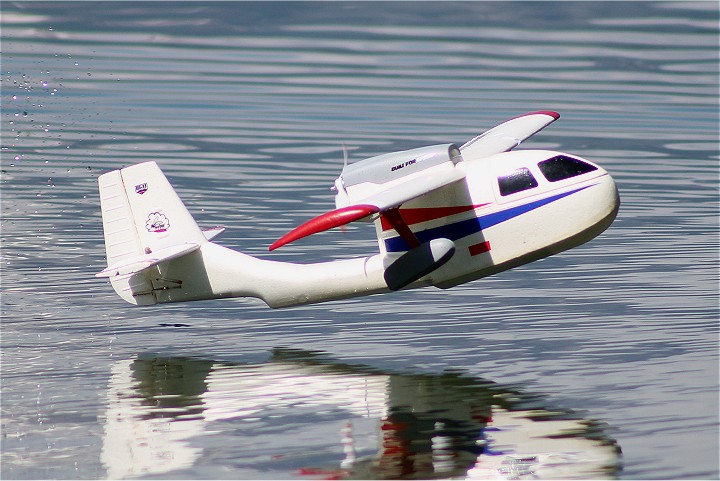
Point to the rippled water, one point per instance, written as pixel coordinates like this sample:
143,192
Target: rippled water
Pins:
246,107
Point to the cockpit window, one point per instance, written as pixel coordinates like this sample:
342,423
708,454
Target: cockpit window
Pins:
562,167
516,181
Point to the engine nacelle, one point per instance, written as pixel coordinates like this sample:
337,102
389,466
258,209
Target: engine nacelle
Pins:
370,176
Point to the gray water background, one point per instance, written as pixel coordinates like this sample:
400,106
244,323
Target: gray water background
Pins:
246,106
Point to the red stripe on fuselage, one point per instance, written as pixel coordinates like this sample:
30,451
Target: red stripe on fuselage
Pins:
424,214
476,249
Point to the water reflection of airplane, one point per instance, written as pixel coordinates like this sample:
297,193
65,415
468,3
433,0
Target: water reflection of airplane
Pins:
417,425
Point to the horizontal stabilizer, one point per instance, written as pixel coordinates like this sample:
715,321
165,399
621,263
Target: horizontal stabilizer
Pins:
326,221
507,135
145,261
213,232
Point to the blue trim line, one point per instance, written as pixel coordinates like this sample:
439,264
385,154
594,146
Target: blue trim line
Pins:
474,225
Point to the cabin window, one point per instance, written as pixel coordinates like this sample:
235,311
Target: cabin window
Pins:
562,167
516,181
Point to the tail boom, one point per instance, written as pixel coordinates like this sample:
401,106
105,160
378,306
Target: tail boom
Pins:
156,253
215,272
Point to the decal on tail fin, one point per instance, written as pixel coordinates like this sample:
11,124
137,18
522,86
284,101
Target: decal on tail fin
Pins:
161,219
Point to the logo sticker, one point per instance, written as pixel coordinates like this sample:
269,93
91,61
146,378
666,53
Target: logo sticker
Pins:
157,222
141,188
403,165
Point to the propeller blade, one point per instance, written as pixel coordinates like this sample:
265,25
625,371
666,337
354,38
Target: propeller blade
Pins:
328,220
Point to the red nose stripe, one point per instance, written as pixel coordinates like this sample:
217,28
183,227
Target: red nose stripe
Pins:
328,220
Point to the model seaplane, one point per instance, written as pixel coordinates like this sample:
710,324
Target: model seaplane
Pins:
444,215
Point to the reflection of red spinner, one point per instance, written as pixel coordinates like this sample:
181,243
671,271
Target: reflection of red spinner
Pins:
157,222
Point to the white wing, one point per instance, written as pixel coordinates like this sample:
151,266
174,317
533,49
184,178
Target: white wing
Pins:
507,135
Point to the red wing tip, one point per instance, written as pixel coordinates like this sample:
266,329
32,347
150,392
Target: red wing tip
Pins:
551,113
328,220
284,240
278,243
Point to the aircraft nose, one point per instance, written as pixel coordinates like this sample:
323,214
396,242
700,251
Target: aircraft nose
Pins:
615,193
609,201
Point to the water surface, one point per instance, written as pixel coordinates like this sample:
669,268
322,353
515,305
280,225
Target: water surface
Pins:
246,107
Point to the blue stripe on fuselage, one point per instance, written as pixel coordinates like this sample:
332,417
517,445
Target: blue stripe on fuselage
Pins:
473,225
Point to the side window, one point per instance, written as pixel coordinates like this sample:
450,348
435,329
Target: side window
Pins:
516,181
562,167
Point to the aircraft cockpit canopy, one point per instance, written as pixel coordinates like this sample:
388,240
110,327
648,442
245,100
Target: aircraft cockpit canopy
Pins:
554,169
563,167
516,181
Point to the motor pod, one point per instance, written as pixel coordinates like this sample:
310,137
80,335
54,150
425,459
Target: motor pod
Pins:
418,262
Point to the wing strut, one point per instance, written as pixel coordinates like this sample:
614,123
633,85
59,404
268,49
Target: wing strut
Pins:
394,217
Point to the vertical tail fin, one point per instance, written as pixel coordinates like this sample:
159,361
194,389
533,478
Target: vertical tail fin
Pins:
144,223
